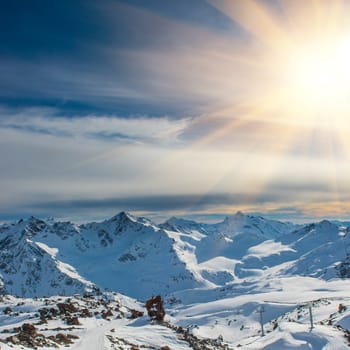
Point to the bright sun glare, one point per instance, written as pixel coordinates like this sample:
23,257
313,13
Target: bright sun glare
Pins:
320,75
302,55
288,83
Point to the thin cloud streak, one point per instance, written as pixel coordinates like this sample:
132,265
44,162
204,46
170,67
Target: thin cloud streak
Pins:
139,128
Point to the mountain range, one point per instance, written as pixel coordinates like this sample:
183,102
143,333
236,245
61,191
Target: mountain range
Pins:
136,257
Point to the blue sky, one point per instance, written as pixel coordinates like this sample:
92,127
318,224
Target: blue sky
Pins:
86,56
197,108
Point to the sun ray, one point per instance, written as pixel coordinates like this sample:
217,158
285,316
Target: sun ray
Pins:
255,18
344,140
288,79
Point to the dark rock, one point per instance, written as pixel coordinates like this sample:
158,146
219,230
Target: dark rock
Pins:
73,321
66,308
135,314
7,310
106,314
155,309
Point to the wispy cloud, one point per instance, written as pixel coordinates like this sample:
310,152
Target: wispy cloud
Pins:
74,166
134,129
138,59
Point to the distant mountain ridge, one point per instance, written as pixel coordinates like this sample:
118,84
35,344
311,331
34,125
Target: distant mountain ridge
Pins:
134,256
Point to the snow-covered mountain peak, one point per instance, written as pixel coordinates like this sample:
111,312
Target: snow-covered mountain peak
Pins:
321,230
65,229
32,226
124,253
123,216
124,221
235,219
186,226
240,223
175,220
238,215
326,225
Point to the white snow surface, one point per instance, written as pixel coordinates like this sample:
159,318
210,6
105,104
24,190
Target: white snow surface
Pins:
139,258
213,278
268,248
232,319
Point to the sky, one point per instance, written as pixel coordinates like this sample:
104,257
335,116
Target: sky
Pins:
190,108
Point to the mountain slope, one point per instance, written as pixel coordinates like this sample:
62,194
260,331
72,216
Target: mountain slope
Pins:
123,253
31,269
215,279
232,237
139,258
321,248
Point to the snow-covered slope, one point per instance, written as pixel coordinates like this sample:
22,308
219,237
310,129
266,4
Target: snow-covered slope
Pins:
124,253
232,237
112,321
285,316
134,256
29,268
321,250
139,258
214,279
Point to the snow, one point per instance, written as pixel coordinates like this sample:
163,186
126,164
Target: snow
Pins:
213,278
344,322
219,263
234,318
237,320
47,249
268,248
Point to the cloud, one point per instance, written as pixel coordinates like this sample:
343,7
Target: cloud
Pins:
63,166
212,207
134,129
122,59
184,202
146,108
73,164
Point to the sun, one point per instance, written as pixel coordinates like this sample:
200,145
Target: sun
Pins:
319,75
301,51
291,66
